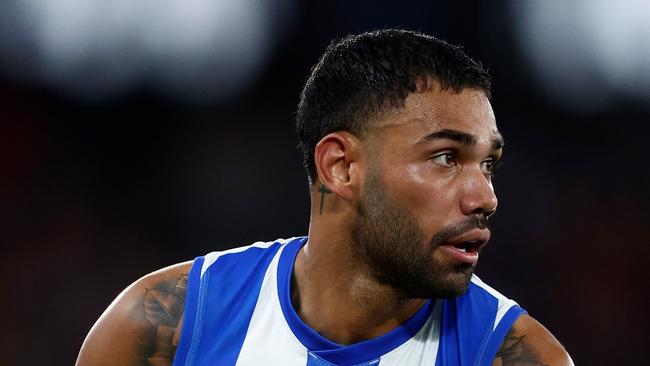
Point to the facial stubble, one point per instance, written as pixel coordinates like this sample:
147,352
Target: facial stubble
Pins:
397,251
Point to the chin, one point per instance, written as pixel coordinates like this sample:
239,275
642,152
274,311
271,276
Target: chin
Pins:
447,286
455,291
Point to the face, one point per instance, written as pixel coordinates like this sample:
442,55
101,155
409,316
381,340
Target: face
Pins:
422,216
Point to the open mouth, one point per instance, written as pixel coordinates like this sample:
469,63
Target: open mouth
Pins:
469,246
465,248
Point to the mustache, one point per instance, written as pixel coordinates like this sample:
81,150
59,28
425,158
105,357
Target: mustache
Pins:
451,231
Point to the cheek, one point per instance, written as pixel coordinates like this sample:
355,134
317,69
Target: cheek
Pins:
431,198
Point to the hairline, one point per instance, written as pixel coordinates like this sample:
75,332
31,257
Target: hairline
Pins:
372,120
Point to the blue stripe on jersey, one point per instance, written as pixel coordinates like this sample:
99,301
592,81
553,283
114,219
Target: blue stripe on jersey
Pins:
494,342
229,288
220,303
448,346
314,360
367,352
189,312
467,332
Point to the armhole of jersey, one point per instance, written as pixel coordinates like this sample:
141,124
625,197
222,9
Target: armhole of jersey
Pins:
188,333
495,338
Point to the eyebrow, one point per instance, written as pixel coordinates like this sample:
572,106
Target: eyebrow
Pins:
463,137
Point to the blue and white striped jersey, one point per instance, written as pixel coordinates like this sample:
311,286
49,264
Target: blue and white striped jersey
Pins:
238,312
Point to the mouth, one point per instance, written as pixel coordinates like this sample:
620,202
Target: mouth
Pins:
465,248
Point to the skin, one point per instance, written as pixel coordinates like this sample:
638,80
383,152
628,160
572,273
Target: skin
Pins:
142,325
434,183
439,190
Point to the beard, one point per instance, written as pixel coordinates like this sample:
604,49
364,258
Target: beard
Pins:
397,251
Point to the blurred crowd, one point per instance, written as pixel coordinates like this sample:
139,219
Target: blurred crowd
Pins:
104,182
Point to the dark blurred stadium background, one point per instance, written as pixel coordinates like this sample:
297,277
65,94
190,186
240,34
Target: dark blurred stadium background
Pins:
137,134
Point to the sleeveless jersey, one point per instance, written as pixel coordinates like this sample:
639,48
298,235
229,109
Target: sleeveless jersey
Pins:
238,312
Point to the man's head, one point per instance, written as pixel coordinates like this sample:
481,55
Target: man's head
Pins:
400,129
363,75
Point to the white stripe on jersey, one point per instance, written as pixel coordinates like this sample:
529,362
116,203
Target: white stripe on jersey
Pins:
504,303
269,340
422,349
210,258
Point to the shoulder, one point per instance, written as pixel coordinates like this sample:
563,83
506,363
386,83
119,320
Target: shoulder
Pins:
245,255
479,291
486,309
142,324
474,324
497,331
529,342
525,339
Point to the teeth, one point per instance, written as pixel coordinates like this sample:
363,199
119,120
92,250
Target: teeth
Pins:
463,250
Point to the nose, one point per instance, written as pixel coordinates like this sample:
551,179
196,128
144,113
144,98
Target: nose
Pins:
478,195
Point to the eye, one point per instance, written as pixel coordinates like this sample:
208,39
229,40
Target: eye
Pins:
446,159
488,166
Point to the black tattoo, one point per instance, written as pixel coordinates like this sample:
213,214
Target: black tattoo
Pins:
515,352
323,191
163,309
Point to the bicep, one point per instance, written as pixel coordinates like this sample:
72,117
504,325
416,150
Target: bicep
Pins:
528,343
120,336
142,325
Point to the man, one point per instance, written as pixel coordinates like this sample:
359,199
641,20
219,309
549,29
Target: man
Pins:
400,142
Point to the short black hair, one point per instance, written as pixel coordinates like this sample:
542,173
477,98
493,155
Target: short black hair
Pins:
362,75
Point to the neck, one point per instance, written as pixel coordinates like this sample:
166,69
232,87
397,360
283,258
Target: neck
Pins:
334,293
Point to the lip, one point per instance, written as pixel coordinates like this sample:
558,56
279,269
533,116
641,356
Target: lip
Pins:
472,241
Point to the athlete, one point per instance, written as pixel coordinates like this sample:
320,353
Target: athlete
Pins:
400,143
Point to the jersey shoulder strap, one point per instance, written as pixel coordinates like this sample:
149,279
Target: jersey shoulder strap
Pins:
222,291
474,325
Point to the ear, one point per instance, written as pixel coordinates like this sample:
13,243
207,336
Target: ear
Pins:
338,159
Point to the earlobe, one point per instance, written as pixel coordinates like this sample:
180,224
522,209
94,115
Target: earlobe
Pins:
334,156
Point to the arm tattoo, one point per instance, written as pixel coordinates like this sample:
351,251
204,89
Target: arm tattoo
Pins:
163,309
323,191
516,352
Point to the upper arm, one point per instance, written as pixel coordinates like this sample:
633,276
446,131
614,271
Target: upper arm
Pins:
528,343
142,325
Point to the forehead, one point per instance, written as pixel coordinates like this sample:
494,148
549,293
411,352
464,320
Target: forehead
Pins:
468,111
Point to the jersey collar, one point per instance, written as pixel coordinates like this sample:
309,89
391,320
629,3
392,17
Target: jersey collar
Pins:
353,354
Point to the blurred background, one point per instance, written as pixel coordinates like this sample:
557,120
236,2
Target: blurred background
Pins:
135,134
